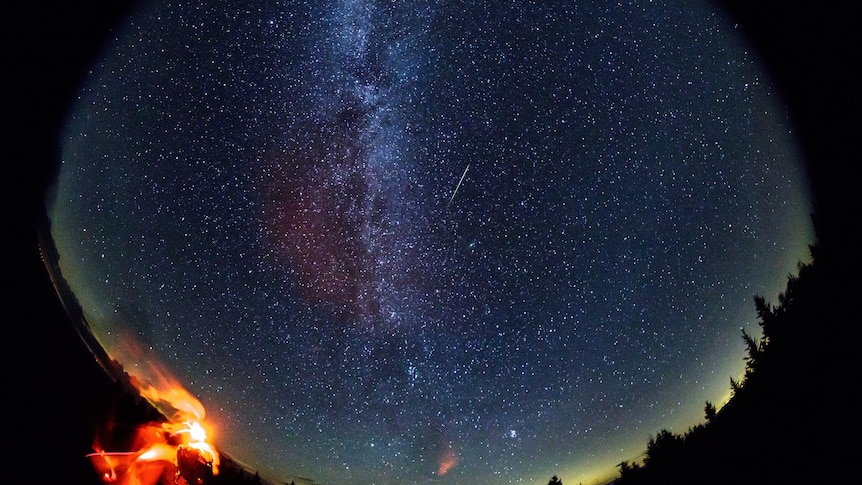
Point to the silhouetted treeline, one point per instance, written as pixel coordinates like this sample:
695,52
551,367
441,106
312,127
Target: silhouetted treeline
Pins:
792,417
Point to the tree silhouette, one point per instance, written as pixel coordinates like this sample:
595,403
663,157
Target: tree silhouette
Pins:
663,446
709,411
629,472
755,352
735,387
797,390
555,481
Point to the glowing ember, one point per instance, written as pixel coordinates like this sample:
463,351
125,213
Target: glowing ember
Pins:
176,451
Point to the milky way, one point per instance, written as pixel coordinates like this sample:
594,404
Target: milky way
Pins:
390,243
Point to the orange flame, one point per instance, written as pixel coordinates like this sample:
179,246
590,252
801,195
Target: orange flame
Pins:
178,447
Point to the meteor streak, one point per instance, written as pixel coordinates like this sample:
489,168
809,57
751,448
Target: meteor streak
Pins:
458,186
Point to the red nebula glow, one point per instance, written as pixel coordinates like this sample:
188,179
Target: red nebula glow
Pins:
314,203
447,462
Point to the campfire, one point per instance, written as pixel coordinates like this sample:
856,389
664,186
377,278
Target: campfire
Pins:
176,451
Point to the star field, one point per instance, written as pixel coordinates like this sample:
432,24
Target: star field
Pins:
437,242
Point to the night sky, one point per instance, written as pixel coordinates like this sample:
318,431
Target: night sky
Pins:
435,243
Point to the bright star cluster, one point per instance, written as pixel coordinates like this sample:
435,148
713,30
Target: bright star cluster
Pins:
439,241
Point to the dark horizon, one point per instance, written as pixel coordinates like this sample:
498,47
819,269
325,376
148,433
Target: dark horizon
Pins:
58,387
